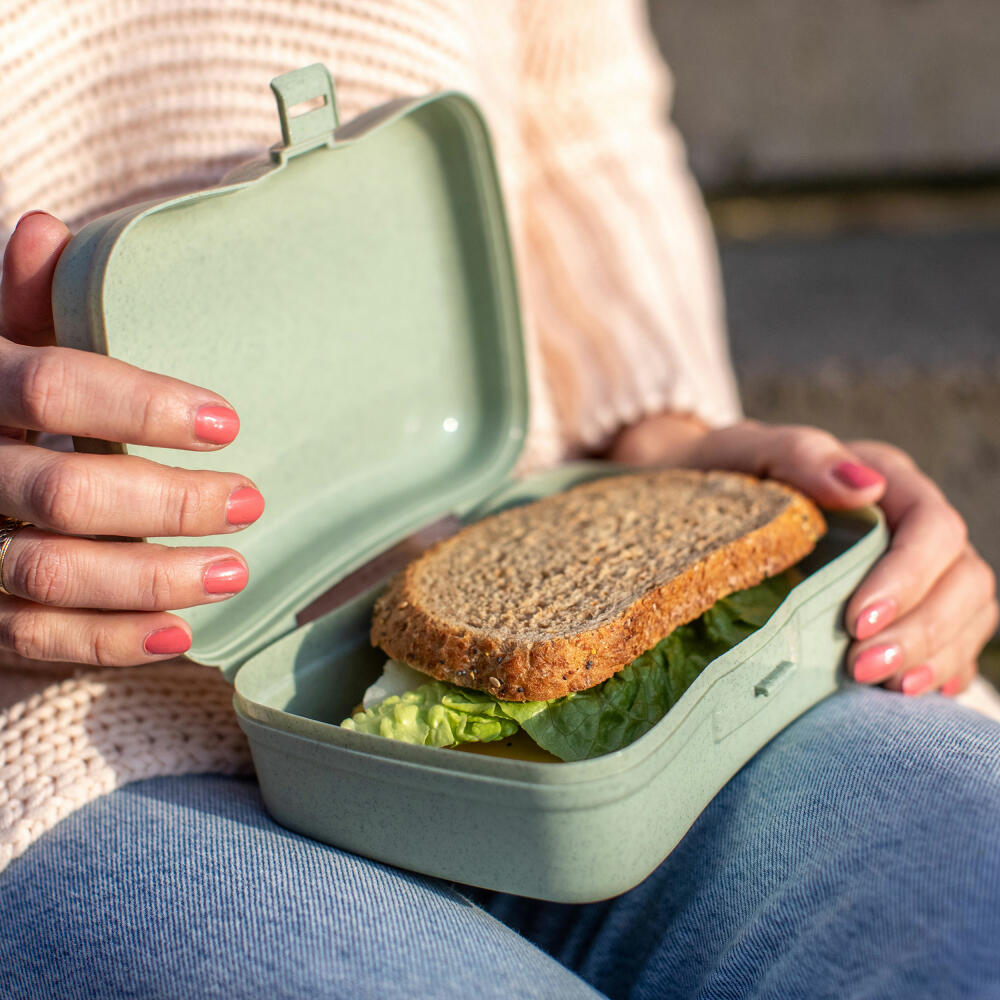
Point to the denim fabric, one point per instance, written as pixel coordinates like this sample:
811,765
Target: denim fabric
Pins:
856,856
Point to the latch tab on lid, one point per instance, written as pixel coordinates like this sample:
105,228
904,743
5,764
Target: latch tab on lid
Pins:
312,126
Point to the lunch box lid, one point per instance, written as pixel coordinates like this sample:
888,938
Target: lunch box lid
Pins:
353,296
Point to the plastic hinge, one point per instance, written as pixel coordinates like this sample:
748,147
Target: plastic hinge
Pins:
312,128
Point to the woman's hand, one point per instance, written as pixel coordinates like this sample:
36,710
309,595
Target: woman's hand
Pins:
924,612
72,597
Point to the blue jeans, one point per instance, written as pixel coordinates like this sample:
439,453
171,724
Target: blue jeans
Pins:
857,855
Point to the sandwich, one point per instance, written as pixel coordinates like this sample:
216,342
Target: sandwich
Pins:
573,623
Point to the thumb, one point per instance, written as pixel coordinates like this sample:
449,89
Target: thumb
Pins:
26,281
810,459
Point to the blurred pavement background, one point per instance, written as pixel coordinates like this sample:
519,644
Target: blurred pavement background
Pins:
851,159
780,90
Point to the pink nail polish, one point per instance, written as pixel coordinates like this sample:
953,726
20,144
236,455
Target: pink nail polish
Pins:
172,639
857,476
227,576
245,506
955,686
918,680
876,664
874,617
216,424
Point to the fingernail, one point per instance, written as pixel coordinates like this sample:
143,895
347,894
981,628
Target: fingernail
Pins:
874,617
857,476
876,664
228,576
167,640
216,424
27,215
917,680
245,506
955,686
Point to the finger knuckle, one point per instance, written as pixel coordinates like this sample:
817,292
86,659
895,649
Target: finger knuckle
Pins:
61,494
103,648
149,416
803,445
159,586
951,524
983,578
895,457
47,574
25,633
187,499
888,454
43,388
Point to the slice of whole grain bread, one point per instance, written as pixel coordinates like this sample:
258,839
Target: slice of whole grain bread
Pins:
558,595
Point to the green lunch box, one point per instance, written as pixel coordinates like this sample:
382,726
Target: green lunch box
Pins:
353,296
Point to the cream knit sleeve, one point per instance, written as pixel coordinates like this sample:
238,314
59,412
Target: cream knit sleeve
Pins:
618,266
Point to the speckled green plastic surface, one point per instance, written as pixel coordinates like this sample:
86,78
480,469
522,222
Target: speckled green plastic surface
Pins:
570,832
353,297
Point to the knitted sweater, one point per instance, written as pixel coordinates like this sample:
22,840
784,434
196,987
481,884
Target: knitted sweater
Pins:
109,102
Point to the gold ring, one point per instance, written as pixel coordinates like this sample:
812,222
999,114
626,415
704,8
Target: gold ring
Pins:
9,527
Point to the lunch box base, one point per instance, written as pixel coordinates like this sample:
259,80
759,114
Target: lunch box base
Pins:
566,832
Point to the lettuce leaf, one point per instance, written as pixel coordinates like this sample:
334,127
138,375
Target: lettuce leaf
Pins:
436,715
588,723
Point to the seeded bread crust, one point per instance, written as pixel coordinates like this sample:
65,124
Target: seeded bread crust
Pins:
735,531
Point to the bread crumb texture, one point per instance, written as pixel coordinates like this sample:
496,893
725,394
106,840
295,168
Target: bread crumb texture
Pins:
557,595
